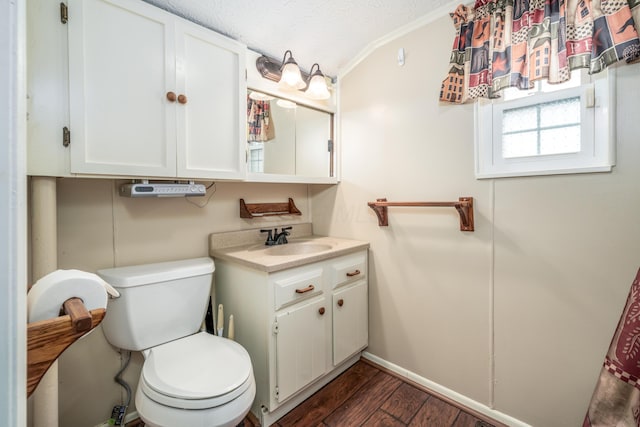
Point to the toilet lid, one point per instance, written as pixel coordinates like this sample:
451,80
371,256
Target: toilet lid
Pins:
200,366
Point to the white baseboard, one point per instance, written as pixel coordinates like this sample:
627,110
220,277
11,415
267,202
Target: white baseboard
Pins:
455,396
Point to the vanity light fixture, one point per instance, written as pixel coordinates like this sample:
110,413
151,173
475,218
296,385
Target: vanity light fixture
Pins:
317,84
272,70
291,78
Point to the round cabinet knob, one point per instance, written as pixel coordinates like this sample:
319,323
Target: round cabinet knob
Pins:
321,311
171,97
182,99
340,302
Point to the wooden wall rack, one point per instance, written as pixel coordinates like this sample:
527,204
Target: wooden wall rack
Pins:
464,206
253,210
47,339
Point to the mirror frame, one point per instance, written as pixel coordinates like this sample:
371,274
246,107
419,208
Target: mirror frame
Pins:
301,179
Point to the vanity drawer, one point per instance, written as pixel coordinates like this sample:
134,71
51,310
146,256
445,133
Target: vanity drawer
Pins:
298,286
348,269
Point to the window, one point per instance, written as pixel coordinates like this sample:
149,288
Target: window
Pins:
552,129
256,157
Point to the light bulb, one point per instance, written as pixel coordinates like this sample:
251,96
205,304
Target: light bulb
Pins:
291,77
318,88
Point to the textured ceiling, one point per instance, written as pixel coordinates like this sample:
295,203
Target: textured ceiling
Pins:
330,32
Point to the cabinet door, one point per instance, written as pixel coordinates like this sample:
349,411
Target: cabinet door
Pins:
211,124
301,343
121,66
350,321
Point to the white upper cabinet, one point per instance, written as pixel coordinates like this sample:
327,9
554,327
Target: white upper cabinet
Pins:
153,95
210,72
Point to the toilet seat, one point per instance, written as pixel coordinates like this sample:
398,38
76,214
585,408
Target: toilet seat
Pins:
197,372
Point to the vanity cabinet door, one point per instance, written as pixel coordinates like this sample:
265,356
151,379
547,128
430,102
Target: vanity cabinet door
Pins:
211,118
301,342
350,321
121,65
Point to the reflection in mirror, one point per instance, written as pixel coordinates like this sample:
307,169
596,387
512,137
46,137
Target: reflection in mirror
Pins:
285,138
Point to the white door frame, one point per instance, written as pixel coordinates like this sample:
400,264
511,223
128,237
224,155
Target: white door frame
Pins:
13,216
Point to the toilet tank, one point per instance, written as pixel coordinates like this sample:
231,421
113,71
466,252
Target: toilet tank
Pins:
158,302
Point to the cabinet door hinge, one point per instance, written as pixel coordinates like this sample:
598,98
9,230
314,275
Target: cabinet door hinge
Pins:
64,13
330,145
277,392
66,136
275,328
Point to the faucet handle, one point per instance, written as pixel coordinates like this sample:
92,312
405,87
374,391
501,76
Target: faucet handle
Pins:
270,240
282,237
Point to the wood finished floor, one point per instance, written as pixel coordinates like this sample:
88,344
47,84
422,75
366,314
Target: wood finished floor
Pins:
368,395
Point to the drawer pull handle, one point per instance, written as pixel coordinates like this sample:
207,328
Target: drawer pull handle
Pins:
182,99
353,273
321,311
171,97
340,302
304,290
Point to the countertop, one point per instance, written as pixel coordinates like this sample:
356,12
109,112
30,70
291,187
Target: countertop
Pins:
256,255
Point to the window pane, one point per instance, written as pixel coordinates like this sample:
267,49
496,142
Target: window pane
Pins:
520,145
561,112
560,140
519,119
256,157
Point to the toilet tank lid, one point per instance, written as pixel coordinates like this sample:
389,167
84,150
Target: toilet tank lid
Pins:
137,275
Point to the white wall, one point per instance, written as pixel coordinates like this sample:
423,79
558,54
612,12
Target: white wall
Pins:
280,153
517,315
13,277
99,229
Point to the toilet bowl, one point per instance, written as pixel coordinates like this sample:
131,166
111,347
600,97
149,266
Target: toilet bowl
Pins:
202,380
189,378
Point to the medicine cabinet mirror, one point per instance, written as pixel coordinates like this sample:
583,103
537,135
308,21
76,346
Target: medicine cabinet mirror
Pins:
287,141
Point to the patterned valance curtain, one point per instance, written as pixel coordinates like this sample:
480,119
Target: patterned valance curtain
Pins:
260,125
513,43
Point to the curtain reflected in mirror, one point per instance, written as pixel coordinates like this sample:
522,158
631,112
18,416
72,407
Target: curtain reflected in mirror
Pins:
285,138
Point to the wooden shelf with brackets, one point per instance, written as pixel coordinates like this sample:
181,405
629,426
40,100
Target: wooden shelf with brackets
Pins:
254,210
464,206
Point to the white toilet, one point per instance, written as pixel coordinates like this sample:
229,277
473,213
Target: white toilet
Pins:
189,378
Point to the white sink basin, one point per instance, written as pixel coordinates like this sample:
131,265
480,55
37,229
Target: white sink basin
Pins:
300,248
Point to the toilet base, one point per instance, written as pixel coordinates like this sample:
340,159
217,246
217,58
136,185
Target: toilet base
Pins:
227,415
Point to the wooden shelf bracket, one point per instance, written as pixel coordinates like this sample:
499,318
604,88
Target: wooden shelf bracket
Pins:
464,206
253,210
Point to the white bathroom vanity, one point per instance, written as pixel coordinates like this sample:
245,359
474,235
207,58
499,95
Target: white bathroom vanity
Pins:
300,310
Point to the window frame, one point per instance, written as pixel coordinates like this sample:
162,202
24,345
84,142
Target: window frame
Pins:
597,153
